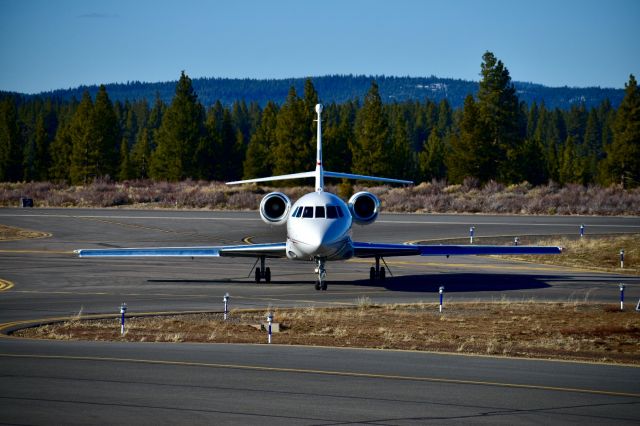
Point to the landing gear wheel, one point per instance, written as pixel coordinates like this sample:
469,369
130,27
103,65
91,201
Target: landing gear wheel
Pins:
258,275
372,274
267,275
323,285
382,274
318,286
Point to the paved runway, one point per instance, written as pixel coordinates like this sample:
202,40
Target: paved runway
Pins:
90,382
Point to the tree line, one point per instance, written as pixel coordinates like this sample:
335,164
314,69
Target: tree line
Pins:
493,136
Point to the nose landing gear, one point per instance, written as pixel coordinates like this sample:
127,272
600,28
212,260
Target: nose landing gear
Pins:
321,282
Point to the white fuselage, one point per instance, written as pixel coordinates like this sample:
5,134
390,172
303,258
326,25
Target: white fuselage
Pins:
319,227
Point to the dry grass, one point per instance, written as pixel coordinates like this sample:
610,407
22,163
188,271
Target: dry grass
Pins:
9,233
599,253
577,331
429,197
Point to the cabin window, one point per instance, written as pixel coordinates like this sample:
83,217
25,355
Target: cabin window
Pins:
339,211
319,211
307,212
332,213
297,211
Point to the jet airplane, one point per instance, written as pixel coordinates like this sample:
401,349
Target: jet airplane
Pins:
319,230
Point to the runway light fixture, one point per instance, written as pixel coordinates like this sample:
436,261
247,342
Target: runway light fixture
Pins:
472,230
269,321
441,292
621,285
581,231
123,310
516,241
225,298
621,258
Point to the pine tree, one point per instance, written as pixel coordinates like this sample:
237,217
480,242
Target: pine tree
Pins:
444,117
499,117
179,134
60,151
258,161
107,133
85,151
569,162
229,150
623,154
338,123
532,120
140,155
532,166
471,152
432,158
294,150
45,130
401,155
11,142
590,151
125,170
371,148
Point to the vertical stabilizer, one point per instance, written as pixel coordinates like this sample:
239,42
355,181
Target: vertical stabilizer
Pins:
319,169
319,172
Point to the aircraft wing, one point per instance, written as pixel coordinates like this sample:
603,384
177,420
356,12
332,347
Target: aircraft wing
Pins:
248,250
389,250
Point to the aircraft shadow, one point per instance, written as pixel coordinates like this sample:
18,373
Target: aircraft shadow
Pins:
454,282
424,283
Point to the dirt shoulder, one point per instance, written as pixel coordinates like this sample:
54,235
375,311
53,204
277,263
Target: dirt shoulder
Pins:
567,331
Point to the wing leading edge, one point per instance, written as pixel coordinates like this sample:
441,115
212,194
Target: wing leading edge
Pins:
249,250
389,250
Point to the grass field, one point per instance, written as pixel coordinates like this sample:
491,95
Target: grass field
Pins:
593,252
569,331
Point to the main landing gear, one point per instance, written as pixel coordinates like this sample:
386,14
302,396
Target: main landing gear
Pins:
321,282
262,272
377,272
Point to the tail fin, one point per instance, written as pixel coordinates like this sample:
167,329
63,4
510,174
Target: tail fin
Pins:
319,172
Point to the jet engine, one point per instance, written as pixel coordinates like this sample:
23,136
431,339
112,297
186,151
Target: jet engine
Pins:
274,208
364,207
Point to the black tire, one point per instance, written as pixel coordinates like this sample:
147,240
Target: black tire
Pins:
317,285
258,275
372,274
323,286
382,274
267,274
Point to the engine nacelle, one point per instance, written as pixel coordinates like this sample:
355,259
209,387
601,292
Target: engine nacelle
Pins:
274,208
364,207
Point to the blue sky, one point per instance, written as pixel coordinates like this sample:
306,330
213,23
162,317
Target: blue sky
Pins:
47,45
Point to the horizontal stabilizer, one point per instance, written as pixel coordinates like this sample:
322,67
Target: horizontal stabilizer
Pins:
364,177
271,178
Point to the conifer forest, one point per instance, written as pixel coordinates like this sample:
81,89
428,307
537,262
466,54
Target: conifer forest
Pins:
493,136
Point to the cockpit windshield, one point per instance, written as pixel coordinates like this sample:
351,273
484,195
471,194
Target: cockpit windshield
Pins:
321,212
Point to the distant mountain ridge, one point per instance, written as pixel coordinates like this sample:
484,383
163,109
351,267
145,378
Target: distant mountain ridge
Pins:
341,88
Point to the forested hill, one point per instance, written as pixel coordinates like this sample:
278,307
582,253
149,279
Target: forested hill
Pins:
340,88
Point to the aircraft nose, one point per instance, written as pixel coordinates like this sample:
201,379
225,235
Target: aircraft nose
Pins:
319,242
314,241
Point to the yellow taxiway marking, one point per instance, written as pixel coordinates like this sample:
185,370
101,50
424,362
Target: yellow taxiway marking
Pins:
37,251
5,285
328,373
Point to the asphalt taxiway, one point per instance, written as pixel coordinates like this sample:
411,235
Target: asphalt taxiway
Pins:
89,382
